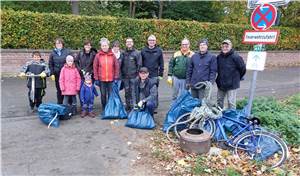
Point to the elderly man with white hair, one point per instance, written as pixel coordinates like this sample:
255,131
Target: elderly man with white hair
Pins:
178,67
106,70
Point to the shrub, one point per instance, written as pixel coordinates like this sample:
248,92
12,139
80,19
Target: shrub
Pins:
22,29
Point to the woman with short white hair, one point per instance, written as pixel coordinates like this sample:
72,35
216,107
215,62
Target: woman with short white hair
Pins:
106,70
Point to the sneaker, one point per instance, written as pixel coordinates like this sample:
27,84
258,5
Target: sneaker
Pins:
91,114
83,114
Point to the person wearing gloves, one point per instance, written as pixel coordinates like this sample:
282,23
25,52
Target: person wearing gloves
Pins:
144,91
87,93
106,70
130,65
178,67
37,66
69,82
85,59
202,68
57,59
231,70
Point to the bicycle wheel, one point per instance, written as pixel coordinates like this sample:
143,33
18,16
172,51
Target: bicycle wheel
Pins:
261,146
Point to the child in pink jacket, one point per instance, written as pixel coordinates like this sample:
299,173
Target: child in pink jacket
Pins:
69,82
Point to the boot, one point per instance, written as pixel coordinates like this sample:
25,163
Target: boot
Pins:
91,114
83,114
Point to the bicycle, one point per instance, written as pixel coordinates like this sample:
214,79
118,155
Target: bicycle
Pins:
250,142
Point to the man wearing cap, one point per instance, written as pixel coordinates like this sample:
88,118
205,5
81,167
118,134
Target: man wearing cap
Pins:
202,68
177,68
144,91
130,65
231,69
152,58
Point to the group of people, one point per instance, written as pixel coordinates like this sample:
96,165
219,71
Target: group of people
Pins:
137,72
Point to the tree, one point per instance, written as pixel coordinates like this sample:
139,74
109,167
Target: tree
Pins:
161,4
75,7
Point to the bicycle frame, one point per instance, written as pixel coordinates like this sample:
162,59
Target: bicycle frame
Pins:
229,140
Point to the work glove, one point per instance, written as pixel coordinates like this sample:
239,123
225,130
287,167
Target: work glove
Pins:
170,80
83,72
160,77
22,75
97,83
141,103
52,77
43,75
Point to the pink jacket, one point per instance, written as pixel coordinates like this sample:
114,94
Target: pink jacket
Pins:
69,80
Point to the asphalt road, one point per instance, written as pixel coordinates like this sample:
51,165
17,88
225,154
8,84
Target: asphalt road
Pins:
93,146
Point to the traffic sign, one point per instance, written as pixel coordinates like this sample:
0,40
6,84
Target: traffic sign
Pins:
260,37
263,17
256,60
253,3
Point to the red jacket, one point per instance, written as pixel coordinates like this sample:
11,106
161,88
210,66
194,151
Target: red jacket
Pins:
69,80
106,66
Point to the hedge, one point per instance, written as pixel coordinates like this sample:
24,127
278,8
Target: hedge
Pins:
22,29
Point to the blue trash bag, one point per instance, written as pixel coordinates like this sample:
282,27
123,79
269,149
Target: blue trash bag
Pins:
230,126
140,119
183,104
114,108
50,113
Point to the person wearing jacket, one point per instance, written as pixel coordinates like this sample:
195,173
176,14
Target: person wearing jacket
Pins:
202,67
37,66
144,91
87,93
85,59
178,65
231,69
119,55
129,66
69,82
57,59
106,70
152,58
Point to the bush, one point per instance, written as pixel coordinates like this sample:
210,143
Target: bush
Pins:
22,29
281,117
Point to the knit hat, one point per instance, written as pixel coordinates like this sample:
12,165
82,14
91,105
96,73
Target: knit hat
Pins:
69,58
87,77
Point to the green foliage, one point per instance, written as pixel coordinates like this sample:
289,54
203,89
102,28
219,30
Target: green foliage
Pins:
291,14
231,172
278,116
21,29
199,167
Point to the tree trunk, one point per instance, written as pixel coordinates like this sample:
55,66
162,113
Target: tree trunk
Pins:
130,9
75,7
133,9
160,9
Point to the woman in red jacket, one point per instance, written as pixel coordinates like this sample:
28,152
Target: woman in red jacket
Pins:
106,70
69,83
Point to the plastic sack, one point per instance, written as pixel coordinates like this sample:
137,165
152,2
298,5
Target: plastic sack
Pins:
50,113
140,119
183,104
230,126
114,108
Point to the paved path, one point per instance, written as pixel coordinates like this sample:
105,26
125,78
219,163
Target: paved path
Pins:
93,146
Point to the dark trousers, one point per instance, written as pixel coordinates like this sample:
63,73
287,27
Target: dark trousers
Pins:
71,100
105,89
150,106
60,97
128,86
38,95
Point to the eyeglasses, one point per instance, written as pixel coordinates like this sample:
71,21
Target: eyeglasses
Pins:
151,40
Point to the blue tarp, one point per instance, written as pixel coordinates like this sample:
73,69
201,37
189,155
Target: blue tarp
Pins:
183,104
114,108
140,119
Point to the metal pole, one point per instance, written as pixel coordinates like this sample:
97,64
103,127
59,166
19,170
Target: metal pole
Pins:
258,47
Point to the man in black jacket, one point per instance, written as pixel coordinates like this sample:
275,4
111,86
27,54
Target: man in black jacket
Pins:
202,67
152,58
231,69
144,91
129,66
